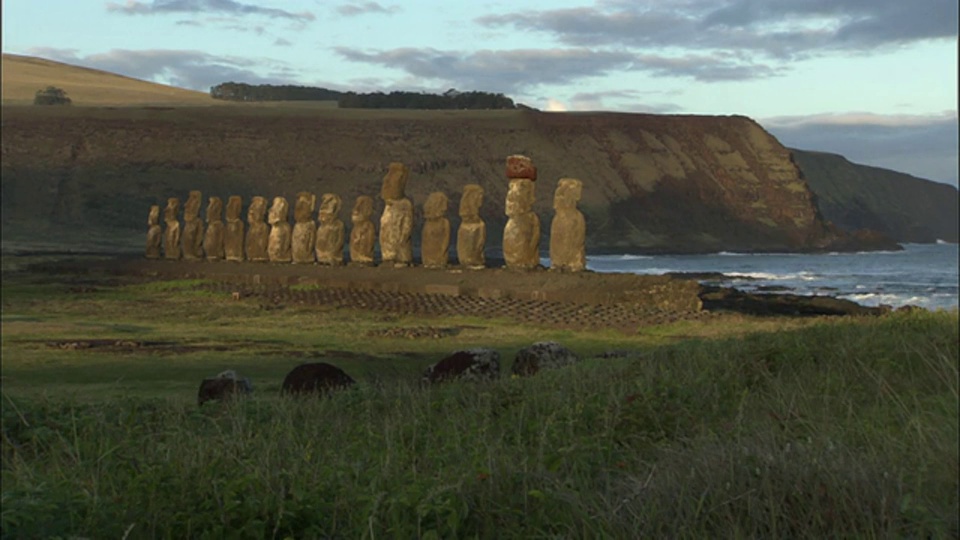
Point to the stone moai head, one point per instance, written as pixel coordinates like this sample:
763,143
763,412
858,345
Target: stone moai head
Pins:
520,197
172,210
304,207
521,167
257,210
279,211
436,206
234,206
395,182
330,207
362,209
567,194
154,217
214,209
471,200
191,208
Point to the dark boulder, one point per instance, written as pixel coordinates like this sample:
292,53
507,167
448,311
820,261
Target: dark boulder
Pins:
542,355
225,385
318,377
470,365
728,299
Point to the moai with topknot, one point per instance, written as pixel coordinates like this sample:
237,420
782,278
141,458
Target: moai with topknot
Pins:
278,246
171,234
304,228
435,237
568,230
258,232
213,238
396,223
521,235
192,227
363,235
233,233
330,233
472,234
154,233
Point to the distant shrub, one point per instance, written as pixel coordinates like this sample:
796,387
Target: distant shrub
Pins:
51,95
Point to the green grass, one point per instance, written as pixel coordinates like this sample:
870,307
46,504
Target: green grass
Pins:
748,428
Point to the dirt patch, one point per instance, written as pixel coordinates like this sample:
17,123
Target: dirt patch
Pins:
126,345
416,332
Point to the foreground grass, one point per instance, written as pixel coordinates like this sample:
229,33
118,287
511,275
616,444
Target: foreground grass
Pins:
840,428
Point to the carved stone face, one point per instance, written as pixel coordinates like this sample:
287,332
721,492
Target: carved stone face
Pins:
214,209
172,210
279,211
471,200
234,205
520,197
395,182
257,210
154,217
568,193
191,208
303,209
436,206
362,209
329,207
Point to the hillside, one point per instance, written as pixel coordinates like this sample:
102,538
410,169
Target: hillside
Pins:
24,75
904,207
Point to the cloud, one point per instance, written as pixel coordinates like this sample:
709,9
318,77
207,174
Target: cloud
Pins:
922,145
555,105
362,8
626,100
196,70
280,42
229,7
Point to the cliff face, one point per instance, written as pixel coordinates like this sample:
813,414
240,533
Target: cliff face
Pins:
904,207
651,183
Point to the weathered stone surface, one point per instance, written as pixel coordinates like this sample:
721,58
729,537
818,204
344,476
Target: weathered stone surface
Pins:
568,231
278,246
224,386
363,235
435,237
304,228
521,167
213,238
472,233
395,182
521,235
171,233
233,233
396,227
729,299
192,227
258,232
330,233
478,364
319,377
154,233
541,356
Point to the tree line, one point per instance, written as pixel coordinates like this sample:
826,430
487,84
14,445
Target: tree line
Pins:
451,99
233,91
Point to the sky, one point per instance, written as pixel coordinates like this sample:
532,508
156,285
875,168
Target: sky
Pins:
873,80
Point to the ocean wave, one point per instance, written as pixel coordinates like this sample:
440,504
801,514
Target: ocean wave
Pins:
891,299
768,276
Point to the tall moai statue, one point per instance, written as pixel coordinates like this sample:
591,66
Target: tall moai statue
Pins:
258,232
435,238
304,228
278,247
329,246
363,235
568,231
472,234
171,234
233,234
213,238
521,235
154,233
192,227
396,223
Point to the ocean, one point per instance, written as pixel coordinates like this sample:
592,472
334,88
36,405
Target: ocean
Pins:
923,275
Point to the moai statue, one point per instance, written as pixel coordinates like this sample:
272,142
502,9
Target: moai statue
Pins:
154,233
278,248
569,230
363,236
521,235
396,223
304,228
213,238
171,235
258,232
329,245
435,240
192,227
472,234
233,234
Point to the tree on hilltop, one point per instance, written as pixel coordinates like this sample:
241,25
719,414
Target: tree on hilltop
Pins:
51,95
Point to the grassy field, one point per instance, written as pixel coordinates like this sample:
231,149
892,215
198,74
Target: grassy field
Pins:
734,428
